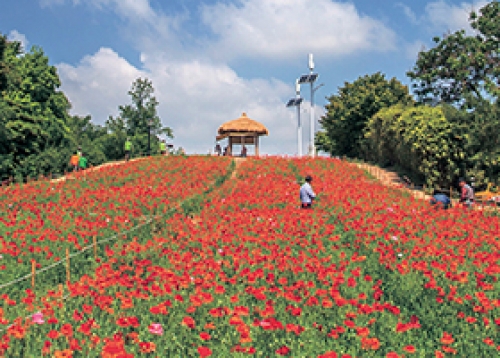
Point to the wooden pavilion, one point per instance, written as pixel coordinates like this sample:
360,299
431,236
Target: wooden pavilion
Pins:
242,131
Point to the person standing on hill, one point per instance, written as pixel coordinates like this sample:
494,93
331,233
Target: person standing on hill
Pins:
73,162
82,162
163,147
307,195
466,193
128,149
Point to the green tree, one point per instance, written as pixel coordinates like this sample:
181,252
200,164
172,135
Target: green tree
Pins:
34,113
420,139
113,143
90,137
141,116
481,128
349,110
462,69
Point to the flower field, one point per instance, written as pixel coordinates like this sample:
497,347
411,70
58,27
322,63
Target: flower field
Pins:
44,219
242,270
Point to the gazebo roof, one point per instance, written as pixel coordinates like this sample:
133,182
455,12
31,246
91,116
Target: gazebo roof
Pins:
242,125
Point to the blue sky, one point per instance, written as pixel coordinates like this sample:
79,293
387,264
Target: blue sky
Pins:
211,60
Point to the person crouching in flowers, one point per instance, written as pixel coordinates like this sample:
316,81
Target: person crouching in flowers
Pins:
307,194
440,200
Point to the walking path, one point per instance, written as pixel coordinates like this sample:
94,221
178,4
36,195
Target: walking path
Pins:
391,178
91,169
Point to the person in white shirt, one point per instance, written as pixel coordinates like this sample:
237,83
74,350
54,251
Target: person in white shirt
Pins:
307,194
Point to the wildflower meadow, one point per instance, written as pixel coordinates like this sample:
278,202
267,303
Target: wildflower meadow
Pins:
204,257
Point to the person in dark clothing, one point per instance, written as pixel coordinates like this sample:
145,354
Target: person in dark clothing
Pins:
466,193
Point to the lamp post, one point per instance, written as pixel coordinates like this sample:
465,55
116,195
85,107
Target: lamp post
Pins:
150,123
311,78
295,102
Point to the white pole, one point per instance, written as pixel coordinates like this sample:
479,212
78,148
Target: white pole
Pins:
299,132
313,148
311,139
299,125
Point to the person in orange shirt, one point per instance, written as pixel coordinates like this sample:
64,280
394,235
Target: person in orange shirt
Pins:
75,158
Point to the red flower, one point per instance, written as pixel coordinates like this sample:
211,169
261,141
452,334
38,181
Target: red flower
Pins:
410,349
283,351
205,336
204,351
188,321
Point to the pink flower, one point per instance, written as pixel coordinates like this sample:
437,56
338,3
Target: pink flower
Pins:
38,318
156,328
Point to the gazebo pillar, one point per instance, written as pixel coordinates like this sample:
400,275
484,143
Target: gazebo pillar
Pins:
231,145
256,138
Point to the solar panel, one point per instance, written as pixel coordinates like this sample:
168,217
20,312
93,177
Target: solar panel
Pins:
294,102
308,78
303,79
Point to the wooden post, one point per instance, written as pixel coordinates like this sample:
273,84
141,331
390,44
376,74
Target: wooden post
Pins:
257,145
68,277
61,294
95,247
33,270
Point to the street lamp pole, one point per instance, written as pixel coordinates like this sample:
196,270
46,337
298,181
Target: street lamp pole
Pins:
311,138
150,123
311,78
295,102
299,124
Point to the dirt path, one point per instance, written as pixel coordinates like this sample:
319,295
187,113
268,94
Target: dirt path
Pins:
91,169
237,162
392,179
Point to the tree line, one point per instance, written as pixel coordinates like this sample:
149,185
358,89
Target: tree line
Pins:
37,132
449,128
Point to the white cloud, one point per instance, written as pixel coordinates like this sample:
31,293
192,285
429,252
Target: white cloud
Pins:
281,29
409,13
15,35
195,98
98,84
196,87
444,16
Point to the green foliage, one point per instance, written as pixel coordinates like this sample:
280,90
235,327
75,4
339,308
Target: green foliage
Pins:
481,128
420,139
33,113
462,69
136,119
37,134
348,112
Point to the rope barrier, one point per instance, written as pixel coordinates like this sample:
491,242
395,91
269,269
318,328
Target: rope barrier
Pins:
149,221
75,254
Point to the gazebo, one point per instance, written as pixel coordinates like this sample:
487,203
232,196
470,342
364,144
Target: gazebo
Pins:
242,131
